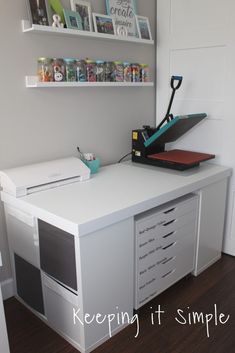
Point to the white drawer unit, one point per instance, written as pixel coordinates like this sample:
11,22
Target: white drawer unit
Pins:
165,247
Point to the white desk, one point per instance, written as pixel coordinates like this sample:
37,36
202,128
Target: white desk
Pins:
100,213
4,345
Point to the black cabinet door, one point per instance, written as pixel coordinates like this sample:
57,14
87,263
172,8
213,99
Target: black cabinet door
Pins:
57,254
29,284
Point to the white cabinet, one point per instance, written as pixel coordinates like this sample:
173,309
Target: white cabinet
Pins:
165,247
4,345
212,204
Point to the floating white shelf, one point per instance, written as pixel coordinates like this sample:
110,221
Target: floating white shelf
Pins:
32,82
28,27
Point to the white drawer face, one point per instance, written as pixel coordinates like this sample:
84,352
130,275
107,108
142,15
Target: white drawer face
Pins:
165,244
150,245
170,272
153,223
156,260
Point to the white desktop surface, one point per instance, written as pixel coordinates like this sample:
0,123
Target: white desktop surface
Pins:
117,192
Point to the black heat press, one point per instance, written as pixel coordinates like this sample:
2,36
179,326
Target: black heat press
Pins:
148,144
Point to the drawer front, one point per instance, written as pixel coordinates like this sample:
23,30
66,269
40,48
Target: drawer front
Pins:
165,247
150,246
60,304
154,223
156,262
170,272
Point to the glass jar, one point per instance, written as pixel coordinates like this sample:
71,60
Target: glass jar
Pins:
127,72
71,70
91,70
45,70
100,71
58,70
81,71
135,72
109,71
118,71
144,73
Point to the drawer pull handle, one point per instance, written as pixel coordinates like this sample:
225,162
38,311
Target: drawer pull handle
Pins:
168,223
169,211
143,244
162,261
143,272
143,257
169,246
169,273
168,235
169,260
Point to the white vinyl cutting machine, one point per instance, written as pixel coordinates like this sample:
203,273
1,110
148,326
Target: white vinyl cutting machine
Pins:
33,178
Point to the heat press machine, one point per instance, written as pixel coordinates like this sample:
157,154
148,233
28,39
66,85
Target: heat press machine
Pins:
148,144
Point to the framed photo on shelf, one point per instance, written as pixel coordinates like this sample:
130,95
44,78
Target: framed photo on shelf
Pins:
143,27
73,20
124,14
84,10
103,24
39,12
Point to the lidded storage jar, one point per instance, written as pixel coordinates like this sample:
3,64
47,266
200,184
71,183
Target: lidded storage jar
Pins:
81,71
58,70
91,70
71,70
127,72
45,70
100,71
118,71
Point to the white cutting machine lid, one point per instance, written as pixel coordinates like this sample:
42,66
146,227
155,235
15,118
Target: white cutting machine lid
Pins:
42,176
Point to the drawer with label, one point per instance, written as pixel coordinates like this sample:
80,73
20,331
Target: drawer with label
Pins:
152,223
149,248
173,270
165,257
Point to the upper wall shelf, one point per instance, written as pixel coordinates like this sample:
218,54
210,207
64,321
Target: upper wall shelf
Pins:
28,27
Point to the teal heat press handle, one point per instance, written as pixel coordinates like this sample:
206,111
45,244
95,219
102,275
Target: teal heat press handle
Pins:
175,79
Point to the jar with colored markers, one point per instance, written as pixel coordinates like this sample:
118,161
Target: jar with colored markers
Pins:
71,70
144,73
127,72
100,71
59,72
109,71
81,71
91,70
135,73
45,70
118,71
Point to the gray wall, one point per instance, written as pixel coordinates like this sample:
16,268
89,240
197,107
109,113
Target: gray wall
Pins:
39,125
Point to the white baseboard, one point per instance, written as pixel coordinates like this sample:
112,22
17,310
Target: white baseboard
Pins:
7,288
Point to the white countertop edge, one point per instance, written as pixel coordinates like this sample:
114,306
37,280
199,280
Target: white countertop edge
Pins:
117,216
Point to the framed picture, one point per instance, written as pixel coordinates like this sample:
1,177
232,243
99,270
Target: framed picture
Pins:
123,12
84,10
103,24
73,20
143,27
38,12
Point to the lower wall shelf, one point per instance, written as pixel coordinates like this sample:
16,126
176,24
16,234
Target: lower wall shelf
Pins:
32,82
